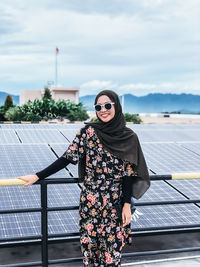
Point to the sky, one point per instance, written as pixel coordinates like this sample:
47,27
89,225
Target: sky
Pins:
129,46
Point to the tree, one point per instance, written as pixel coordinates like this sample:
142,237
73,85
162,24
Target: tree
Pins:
47,93
8,102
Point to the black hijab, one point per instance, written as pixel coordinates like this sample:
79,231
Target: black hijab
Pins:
123,143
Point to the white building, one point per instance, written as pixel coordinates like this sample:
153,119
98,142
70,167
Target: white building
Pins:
57,93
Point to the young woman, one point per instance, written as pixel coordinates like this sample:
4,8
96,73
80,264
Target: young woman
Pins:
113,169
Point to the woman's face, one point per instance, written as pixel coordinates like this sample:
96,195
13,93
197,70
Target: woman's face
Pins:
103,114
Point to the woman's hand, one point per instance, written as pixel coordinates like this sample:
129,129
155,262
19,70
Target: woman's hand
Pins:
126,214
29,179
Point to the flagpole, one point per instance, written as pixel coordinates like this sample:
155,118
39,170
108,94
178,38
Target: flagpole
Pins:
56,67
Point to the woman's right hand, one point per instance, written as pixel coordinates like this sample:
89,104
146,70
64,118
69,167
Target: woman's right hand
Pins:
29,179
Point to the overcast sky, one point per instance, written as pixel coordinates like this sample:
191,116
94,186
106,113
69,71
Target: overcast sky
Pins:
130,46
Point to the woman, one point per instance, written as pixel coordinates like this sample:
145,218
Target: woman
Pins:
113,168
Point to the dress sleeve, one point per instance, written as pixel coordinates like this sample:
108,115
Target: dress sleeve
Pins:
76,148
127,189
56,166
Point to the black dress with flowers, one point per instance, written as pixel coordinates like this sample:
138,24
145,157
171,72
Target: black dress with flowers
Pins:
102,236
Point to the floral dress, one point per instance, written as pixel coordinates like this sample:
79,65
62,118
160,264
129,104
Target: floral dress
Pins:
102,236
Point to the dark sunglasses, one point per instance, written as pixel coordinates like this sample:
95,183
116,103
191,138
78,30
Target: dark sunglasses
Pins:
107,106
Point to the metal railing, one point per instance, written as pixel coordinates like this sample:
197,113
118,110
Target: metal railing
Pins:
44,239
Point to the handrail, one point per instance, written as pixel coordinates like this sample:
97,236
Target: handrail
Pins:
173,176
44,211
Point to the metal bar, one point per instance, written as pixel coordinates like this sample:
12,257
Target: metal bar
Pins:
37,263
60,180
184,201
22,238
20,210
156,252
78,259
160,177
55,240
44,224
65,208
76,207
135,232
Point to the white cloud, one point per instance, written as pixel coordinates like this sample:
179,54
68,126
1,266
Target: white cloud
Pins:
140,89
130,44
92,87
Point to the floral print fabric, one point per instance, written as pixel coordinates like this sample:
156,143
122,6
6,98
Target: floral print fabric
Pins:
102,236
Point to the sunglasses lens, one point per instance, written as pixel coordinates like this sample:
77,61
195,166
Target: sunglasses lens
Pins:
108,106
97,107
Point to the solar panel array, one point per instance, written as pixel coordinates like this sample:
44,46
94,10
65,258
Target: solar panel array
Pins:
28,148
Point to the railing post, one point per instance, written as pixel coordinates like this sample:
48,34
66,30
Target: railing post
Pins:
44,224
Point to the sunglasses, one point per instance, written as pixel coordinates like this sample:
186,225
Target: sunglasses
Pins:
107,106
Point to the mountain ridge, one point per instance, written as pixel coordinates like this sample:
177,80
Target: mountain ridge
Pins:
154,103
151,103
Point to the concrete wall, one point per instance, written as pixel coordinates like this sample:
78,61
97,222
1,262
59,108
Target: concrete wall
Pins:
27,95
71,94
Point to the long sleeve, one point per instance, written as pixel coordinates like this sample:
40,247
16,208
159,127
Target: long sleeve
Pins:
127,188
56,166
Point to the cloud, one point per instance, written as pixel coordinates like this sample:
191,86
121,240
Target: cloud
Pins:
130,42
93,87
139,89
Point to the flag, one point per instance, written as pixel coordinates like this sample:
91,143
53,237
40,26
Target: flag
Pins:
57,50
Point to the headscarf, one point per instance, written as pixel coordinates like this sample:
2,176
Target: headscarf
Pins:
122,142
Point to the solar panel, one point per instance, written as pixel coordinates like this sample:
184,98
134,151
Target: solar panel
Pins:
190,188
167,158
195,147
167,216
22,159
59,150
162,158
70,133
160,191
193,134
63,222
63,195
21,225
18,197
162,135
17,126
8,137
40,136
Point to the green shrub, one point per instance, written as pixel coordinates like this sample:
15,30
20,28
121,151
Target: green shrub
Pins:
132,118
2,113
128,118
13,114
46,109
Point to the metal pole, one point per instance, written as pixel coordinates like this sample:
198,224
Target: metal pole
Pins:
44,224
123,103
56,70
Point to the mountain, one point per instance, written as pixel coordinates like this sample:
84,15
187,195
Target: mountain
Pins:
151,103
3,97
154,103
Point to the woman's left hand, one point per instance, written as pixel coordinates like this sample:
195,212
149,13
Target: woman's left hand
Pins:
126,214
